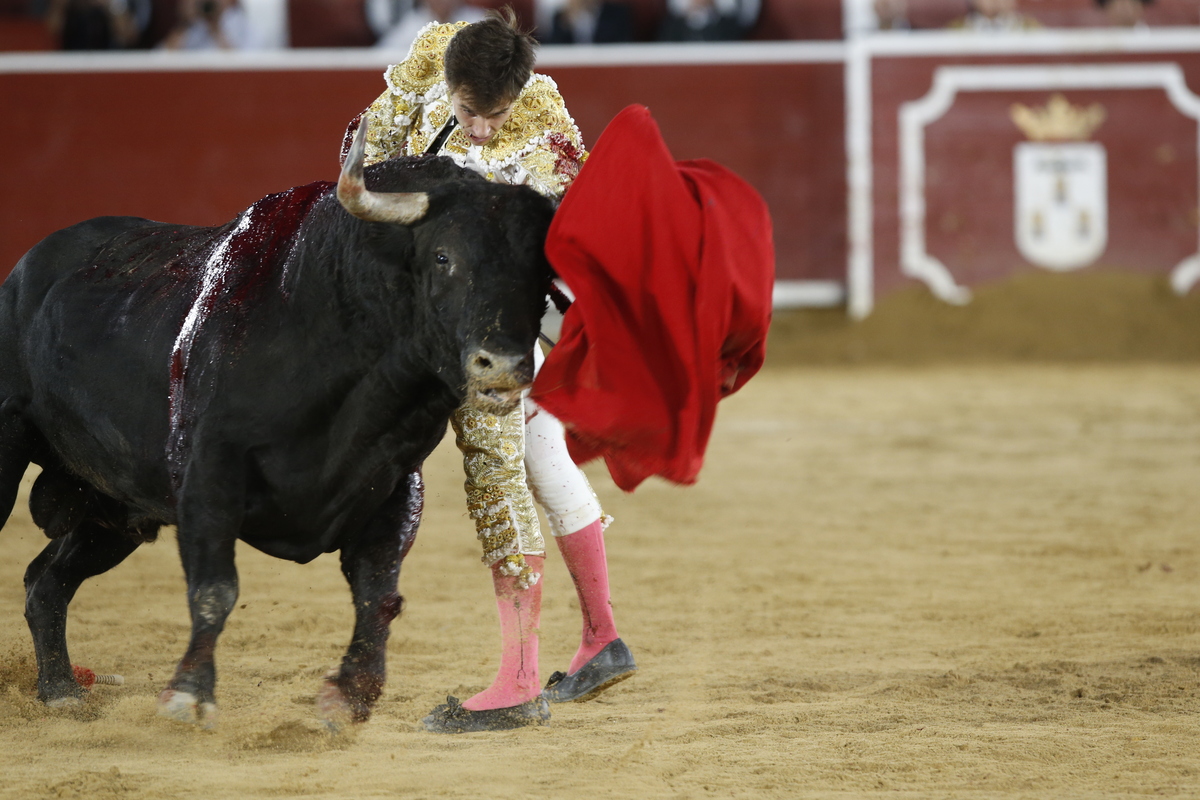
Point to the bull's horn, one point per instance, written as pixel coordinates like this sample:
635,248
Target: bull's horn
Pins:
403,207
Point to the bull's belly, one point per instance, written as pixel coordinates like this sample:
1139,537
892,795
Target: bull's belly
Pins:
299,529
300,504
281,538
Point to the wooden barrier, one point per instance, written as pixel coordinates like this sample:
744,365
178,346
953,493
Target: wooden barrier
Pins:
887,160
194,139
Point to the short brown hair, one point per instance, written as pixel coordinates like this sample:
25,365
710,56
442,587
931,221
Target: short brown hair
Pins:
490,61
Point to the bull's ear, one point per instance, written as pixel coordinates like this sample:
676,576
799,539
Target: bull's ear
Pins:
402,207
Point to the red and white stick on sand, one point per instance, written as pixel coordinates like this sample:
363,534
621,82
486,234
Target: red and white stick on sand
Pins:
86,678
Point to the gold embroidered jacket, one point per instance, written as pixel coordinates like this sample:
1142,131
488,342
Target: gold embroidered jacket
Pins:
539,146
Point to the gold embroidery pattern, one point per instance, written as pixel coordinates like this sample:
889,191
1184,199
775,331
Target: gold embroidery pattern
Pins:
498,499
539,110
457,142
418,142
423,68
383,135
516,566
438,115
540,164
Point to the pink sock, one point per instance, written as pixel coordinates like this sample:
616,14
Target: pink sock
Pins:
520,610
583,551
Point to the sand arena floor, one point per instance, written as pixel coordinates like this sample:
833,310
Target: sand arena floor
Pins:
948,580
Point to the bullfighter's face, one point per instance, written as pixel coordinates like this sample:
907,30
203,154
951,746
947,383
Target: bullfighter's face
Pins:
479,124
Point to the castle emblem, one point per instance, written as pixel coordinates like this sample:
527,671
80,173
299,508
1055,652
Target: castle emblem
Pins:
1061,185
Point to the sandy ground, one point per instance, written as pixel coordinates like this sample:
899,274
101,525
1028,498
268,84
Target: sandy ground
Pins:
923,581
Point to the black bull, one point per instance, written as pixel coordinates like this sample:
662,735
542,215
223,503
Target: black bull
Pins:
279,380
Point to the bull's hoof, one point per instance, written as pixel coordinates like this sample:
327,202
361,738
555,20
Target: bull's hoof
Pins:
337,709
61,693
184,707
68,701
333,709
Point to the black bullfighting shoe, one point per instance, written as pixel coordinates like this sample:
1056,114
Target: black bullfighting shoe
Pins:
610,666
451,717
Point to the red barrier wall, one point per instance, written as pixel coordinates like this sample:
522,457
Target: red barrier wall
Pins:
197,147
181,147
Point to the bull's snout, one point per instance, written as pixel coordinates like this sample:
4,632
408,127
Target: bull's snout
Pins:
495,381
486,366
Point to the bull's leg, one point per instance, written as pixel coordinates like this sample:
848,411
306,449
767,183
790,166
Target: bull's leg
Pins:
14,458
210,514
50,583
371,565
59,502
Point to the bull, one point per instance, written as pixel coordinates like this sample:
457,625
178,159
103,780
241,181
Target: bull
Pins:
279,379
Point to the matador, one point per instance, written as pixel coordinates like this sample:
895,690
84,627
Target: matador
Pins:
468,92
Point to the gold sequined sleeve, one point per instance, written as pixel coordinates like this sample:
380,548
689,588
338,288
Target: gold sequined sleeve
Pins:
555,162
389,123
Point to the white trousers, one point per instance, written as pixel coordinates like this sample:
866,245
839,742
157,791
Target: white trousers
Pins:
558,485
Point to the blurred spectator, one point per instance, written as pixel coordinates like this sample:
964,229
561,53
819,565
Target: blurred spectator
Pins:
892,15
708,20
994,15
268,20
1124,13
383,15
98,24
212,25
424,12
591,22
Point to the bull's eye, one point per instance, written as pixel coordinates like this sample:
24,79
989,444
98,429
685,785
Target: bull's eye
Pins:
443,259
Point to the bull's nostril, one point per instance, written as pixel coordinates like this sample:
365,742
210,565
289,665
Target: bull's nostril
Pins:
483,363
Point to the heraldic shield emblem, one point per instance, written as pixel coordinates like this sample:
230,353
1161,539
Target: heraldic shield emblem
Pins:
1061,186
1061,203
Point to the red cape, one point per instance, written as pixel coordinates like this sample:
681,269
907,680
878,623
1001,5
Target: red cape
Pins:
672,267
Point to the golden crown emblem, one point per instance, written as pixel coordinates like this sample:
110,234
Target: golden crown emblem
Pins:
1058,120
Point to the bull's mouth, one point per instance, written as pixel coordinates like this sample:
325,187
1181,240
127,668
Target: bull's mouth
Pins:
493,399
